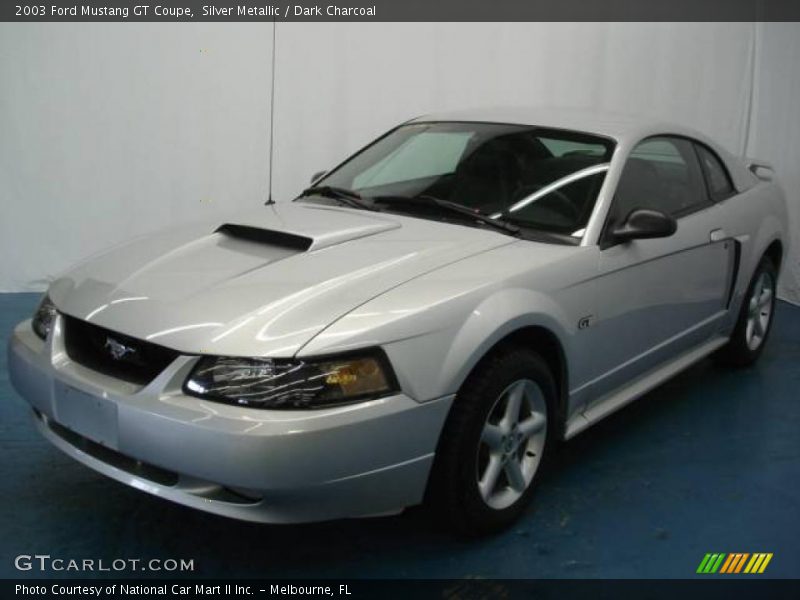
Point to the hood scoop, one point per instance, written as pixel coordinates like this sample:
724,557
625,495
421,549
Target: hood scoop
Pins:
282,239
306,228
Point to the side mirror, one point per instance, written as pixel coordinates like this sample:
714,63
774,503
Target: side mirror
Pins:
317,175
645,223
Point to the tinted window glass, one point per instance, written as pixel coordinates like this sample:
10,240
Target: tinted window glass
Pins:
662,173
562,147
489,167
719,183
565,209
428,154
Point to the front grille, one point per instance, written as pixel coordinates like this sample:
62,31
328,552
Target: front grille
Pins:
114,354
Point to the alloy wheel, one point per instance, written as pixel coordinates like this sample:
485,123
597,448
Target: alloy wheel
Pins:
759,310
511,444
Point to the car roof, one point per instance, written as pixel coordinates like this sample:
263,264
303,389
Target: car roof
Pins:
614,125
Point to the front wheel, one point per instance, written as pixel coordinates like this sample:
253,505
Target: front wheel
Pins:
755,318
493,444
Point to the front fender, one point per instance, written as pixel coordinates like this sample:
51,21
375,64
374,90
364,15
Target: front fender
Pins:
435,339
494,319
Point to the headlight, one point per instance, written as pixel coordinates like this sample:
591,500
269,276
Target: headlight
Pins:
43,318
291,384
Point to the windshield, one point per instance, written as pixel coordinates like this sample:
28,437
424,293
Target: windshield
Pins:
536,178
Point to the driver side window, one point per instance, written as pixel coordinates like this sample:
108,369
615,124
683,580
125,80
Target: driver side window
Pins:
662,173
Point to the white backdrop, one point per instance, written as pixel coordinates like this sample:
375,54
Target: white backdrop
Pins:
110,131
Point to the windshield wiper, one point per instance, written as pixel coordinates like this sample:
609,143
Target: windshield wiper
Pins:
349,197
425,200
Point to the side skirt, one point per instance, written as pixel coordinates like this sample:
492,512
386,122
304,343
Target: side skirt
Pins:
625,395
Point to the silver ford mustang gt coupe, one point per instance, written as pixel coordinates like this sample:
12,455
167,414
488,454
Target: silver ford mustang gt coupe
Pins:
422,324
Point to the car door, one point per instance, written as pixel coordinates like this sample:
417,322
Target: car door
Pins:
657,298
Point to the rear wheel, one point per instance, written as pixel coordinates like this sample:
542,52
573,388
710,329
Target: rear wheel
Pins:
493,444
755,318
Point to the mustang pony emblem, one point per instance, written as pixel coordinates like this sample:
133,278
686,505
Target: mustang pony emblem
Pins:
118,350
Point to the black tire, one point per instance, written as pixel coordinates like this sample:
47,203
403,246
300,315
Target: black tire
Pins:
739,352
453,495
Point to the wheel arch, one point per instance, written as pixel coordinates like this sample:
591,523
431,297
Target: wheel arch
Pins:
768,239
775,253
546,343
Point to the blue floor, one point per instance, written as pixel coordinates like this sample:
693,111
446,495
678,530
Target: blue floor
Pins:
709,462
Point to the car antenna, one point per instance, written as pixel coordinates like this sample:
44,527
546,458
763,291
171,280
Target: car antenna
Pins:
272,113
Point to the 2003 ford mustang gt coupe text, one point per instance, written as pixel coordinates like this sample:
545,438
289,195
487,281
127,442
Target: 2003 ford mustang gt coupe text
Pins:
420,325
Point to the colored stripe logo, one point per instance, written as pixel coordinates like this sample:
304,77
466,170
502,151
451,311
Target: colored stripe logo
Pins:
735,562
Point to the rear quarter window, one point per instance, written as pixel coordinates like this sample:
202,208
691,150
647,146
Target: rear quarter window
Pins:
719,181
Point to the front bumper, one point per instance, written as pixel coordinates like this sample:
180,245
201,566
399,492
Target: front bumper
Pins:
257,465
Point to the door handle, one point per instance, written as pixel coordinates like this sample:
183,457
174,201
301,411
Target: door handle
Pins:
717,235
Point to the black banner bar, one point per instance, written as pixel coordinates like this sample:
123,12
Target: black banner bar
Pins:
712,588
401,10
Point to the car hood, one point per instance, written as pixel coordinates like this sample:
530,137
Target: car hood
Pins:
260,283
